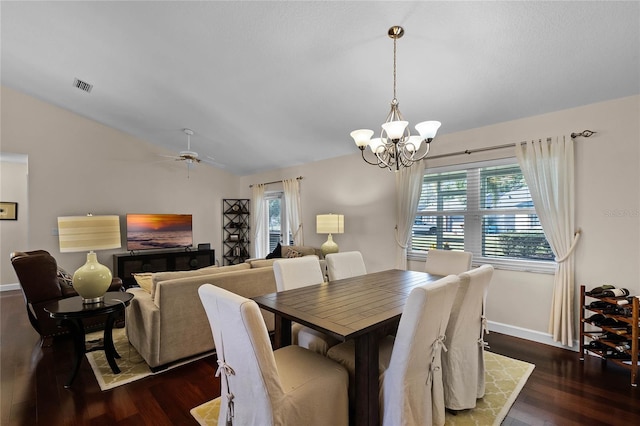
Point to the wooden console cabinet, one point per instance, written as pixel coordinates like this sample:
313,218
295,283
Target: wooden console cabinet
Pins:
126,264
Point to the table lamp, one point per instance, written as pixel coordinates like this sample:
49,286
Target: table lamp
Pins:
89,233
329,224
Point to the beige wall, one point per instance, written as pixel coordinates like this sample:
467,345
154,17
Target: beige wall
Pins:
67,151
607,204
77,166
13,188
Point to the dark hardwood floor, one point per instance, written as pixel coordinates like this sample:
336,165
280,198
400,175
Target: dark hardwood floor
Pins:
560,391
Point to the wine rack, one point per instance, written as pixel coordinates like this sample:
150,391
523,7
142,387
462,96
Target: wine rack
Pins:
618,342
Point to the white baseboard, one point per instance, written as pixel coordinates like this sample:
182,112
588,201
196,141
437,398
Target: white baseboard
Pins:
533,335
7,287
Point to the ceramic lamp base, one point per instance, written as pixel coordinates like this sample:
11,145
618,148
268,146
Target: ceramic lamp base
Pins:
92,280
329,246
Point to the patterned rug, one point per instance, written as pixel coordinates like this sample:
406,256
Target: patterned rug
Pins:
132,366
505,378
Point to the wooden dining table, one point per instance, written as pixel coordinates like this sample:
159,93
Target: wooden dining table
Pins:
362,308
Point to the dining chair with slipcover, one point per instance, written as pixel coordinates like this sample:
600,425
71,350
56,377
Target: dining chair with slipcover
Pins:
411,390
463,363
302,272
345,265
447,262
259,386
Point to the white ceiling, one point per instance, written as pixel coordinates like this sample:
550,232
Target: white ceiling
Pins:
267,85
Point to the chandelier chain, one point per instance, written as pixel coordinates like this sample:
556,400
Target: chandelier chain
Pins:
395,41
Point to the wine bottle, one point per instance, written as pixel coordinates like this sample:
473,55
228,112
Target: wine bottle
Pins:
615,292
626,300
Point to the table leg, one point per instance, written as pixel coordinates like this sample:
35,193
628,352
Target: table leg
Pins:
109,348
283,332
367,412
77,334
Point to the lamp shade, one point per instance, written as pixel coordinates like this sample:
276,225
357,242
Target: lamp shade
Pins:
361,137
85,233
330,223
395,129
428,129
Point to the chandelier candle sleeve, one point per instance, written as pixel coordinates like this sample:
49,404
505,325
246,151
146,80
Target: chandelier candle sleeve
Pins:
396,147
89,233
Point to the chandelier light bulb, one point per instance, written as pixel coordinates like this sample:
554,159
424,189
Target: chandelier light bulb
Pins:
428,129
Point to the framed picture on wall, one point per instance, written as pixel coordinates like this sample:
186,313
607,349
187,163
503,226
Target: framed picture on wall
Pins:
8,210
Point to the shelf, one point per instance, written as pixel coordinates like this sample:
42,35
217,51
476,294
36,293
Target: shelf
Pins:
628,334
235,221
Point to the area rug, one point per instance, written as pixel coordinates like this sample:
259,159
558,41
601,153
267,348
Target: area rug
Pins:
132,366
505,378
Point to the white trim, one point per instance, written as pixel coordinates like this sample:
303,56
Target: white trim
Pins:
9,287
525,333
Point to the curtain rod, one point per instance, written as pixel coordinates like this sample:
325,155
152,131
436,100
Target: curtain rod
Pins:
275,181
584,133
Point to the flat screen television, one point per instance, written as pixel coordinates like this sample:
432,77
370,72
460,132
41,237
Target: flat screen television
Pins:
159,231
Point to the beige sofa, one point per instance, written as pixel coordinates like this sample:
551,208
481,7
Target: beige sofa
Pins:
166,322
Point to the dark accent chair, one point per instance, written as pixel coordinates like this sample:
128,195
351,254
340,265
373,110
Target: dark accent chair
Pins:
37,272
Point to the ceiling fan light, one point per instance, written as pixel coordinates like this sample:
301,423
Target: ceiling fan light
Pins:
428,129
361,137
395,129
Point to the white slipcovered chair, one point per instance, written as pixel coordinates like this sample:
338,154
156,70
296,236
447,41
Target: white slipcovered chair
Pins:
345,265
411,390
463,363
301,272
447,262
259,386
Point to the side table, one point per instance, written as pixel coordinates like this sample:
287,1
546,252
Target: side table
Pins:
70,312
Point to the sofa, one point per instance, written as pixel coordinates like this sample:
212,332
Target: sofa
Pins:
166,322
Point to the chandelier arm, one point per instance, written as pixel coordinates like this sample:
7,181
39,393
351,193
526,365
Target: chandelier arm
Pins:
428,143
385,159
365,159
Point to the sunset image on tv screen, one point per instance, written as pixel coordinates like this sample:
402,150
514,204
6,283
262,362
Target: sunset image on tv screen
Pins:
158,231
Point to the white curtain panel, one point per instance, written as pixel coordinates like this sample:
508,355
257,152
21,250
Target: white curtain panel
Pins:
294,210
548,169
259,222
408,188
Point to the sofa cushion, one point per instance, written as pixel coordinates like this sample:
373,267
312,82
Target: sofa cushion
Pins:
262,263
302,250
209,270
144,280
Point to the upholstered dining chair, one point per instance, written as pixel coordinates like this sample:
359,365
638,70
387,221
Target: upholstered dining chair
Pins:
259,386
345,265
447,262
410,364
301,272
463,363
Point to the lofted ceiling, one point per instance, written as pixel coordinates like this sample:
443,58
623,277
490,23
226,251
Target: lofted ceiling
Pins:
272,84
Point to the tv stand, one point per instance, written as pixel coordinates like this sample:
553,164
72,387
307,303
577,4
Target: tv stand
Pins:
127,264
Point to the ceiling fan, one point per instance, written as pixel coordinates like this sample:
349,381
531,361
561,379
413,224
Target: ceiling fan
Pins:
191,158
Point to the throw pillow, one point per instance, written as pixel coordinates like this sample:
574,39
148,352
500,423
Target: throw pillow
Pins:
143,279
65,279
293,253
276,253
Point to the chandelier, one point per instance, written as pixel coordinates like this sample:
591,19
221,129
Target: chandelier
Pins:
396,147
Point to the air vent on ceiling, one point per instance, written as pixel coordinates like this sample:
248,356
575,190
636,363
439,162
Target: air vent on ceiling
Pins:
82,85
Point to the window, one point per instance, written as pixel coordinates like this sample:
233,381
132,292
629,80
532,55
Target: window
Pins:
277,219
484,208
